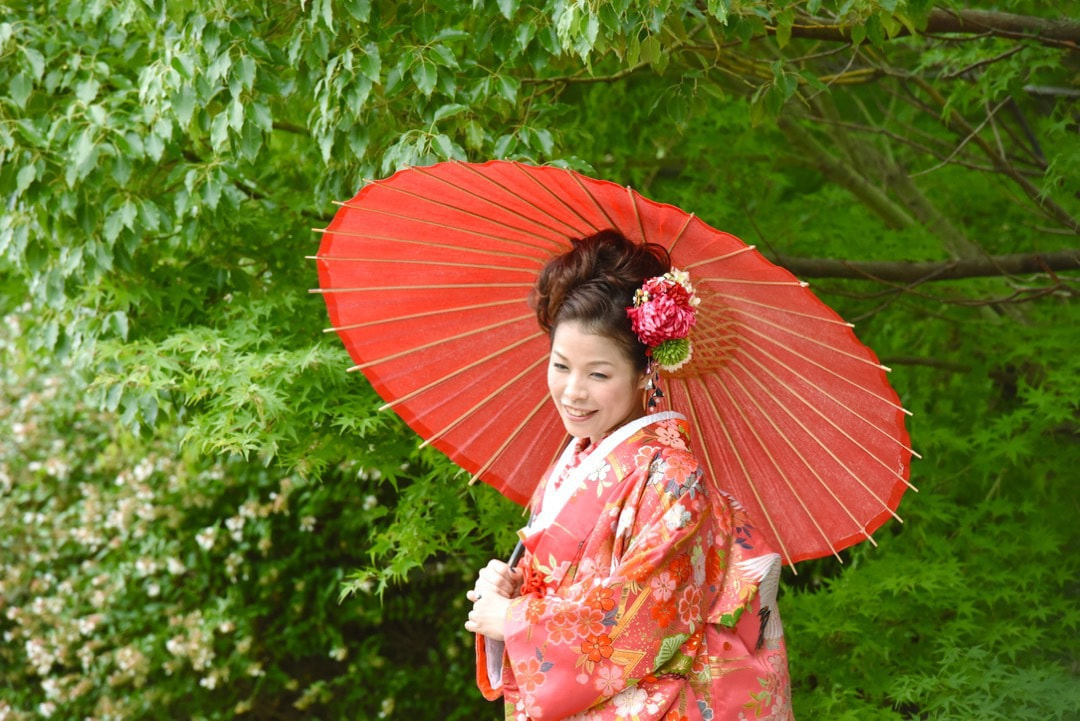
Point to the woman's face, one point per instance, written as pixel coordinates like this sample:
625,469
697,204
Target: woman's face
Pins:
593,384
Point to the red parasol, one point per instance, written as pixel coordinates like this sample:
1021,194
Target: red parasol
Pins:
426,276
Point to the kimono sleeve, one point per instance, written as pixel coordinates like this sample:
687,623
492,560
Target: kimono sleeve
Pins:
571,651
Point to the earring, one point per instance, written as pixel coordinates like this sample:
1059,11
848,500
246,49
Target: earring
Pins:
654,386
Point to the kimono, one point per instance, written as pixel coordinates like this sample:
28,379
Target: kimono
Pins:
646,595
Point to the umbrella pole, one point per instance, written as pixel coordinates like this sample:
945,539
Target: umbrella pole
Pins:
516,555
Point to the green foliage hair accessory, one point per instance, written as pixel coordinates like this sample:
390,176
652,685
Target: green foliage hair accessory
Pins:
671,355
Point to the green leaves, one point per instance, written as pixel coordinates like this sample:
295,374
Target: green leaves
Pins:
769,98
82,155
19,87
668,648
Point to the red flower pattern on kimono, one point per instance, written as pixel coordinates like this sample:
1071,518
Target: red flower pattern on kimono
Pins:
602,599
664,613
654,621
596,647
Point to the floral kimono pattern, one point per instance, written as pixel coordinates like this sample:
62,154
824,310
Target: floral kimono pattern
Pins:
647,596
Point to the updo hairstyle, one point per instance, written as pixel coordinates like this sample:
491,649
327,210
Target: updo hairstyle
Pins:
593,283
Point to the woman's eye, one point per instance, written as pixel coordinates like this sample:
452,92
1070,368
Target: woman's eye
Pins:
600,376
558,366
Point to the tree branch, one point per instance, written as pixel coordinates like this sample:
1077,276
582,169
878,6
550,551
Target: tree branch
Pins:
908,272
844,175
1059,33
952,117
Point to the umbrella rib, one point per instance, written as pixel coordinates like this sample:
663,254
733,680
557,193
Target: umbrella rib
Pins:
821,367
809,466
425,314
457,228
815,341
482,402
411,261
715,259
681,233
596,203
438,381
555,196
637,213
738,457
433,286
509,439
431,244
828,420
783,475
748,281
788,311
572,230
489,201
440,341
772,357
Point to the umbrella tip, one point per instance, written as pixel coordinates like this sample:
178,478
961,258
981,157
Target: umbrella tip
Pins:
319,230
803,284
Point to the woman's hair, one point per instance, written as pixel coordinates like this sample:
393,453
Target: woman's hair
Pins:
594,283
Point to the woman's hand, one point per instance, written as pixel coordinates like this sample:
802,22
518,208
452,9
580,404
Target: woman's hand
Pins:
495,585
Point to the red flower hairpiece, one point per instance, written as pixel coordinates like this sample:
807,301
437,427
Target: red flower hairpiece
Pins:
662,315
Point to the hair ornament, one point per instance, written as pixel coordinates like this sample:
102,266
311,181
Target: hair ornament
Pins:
662,315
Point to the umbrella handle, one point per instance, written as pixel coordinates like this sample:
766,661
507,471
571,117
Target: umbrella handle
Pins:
516,555
519,548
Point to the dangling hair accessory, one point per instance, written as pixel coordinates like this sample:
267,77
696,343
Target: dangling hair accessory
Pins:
661,317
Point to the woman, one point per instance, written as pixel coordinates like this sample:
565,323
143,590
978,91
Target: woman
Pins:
643,592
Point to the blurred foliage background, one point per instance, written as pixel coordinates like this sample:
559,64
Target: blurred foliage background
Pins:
204,516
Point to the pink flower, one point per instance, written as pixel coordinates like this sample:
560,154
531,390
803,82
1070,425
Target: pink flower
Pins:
690,606
668,433
663,586
609,680
561,627
662,285
661,318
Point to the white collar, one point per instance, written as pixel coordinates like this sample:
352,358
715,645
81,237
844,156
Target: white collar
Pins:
556,498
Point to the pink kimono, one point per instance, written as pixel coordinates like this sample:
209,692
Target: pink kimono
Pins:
647,594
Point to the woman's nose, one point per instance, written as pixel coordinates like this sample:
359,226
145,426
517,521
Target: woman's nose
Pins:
575,389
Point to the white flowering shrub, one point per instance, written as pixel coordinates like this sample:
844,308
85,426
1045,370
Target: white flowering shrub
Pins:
139,579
